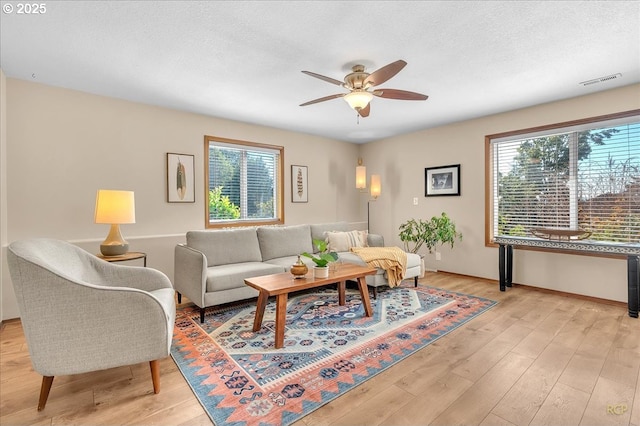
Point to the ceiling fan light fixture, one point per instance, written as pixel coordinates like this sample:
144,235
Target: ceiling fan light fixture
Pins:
358,99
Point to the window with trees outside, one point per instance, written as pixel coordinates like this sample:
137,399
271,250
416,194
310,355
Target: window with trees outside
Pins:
582,175
243,182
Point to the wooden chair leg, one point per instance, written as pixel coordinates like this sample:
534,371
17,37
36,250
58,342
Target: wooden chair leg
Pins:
201,315
155,375
47,381
415,281
179,297
375,293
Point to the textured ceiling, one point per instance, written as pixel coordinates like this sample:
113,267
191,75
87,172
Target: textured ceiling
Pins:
241,60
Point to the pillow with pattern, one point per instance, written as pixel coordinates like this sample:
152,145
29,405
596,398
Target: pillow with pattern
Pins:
343,241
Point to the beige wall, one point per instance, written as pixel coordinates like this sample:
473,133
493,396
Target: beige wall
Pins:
63,145
401,162
3,190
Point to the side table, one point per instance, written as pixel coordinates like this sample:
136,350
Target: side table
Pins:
131,255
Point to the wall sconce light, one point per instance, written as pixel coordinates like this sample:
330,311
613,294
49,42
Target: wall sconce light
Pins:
375,186
115,208
376,189
361,175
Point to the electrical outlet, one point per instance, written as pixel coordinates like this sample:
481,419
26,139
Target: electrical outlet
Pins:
438,255
415,201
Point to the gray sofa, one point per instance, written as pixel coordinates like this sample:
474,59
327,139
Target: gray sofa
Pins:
211,267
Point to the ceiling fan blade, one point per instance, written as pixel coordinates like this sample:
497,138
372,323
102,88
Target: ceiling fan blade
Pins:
326,98
364,112
400,94
384,73
325,78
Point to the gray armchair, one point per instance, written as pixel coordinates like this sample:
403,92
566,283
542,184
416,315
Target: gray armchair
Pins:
82,314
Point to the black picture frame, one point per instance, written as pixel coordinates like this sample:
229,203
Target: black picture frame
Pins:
442,180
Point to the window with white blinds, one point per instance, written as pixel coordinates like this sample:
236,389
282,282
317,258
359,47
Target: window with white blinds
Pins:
583,175
244,182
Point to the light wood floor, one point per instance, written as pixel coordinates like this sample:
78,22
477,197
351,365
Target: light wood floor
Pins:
534,359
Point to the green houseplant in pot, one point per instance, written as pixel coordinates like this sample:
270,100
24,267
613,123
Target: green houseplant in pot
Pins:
322,259
418,233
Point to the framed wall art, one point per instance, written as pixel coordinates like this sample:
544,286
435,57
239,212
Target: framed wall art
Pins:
299,186
180,178
443,180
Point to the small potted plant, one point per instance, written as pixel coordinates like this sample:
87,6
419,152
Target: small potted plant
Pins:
439,230
321,270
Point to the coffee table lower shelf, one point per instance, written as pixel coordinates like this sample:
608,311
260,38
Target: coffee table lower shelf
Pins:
280,285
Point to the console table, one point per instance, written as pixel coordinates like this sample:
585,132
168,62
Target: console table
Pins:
632,251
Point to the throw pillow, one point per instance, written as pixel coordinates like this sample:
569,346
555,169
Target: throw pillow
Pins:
343,241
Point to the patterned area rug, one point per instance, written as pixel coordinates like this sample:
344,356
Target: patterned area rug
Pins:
240,378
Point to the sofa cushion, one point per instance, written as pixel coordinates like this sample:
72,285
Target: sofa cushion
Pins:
225,277
343,241
283,241
319,231
224,246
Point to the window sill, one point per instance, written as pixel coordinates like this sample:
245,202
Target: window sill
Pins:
246,223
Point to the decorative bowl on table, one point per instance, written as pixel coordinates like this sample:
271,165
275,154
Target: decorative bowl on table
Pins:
299,269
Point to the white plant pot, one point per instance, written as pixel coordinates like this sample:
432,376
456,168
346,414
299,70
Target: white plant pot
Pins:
321,272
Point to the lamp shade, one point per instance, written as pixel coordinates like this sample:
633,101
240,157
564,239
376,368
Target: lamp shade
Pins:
115,207
358,99
376,187
361,177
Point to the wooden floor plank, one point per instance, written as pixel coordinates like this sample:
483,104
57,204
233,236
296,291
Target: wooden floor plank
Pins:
489,355
493,420
635,412
440,394
576,329
564,406
538,339
623,360
583,370
525,398
374,409
478,401
610,404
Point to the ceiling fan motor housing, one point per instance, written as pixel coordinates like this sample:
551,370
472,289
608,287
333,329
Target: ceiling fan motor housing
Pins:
356,79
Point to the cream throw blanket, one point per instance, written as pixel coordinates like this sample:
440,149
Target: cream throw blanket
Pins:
392,259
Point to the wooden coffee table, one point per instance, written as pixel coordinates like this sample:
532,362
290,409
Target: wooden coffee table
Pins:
280,285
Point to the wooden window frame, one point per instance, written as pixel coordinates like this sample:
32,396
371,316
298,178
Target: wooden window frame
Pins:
279,202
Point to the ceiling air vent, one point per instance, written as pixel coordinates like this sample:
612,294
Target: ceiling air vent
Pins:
601,79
